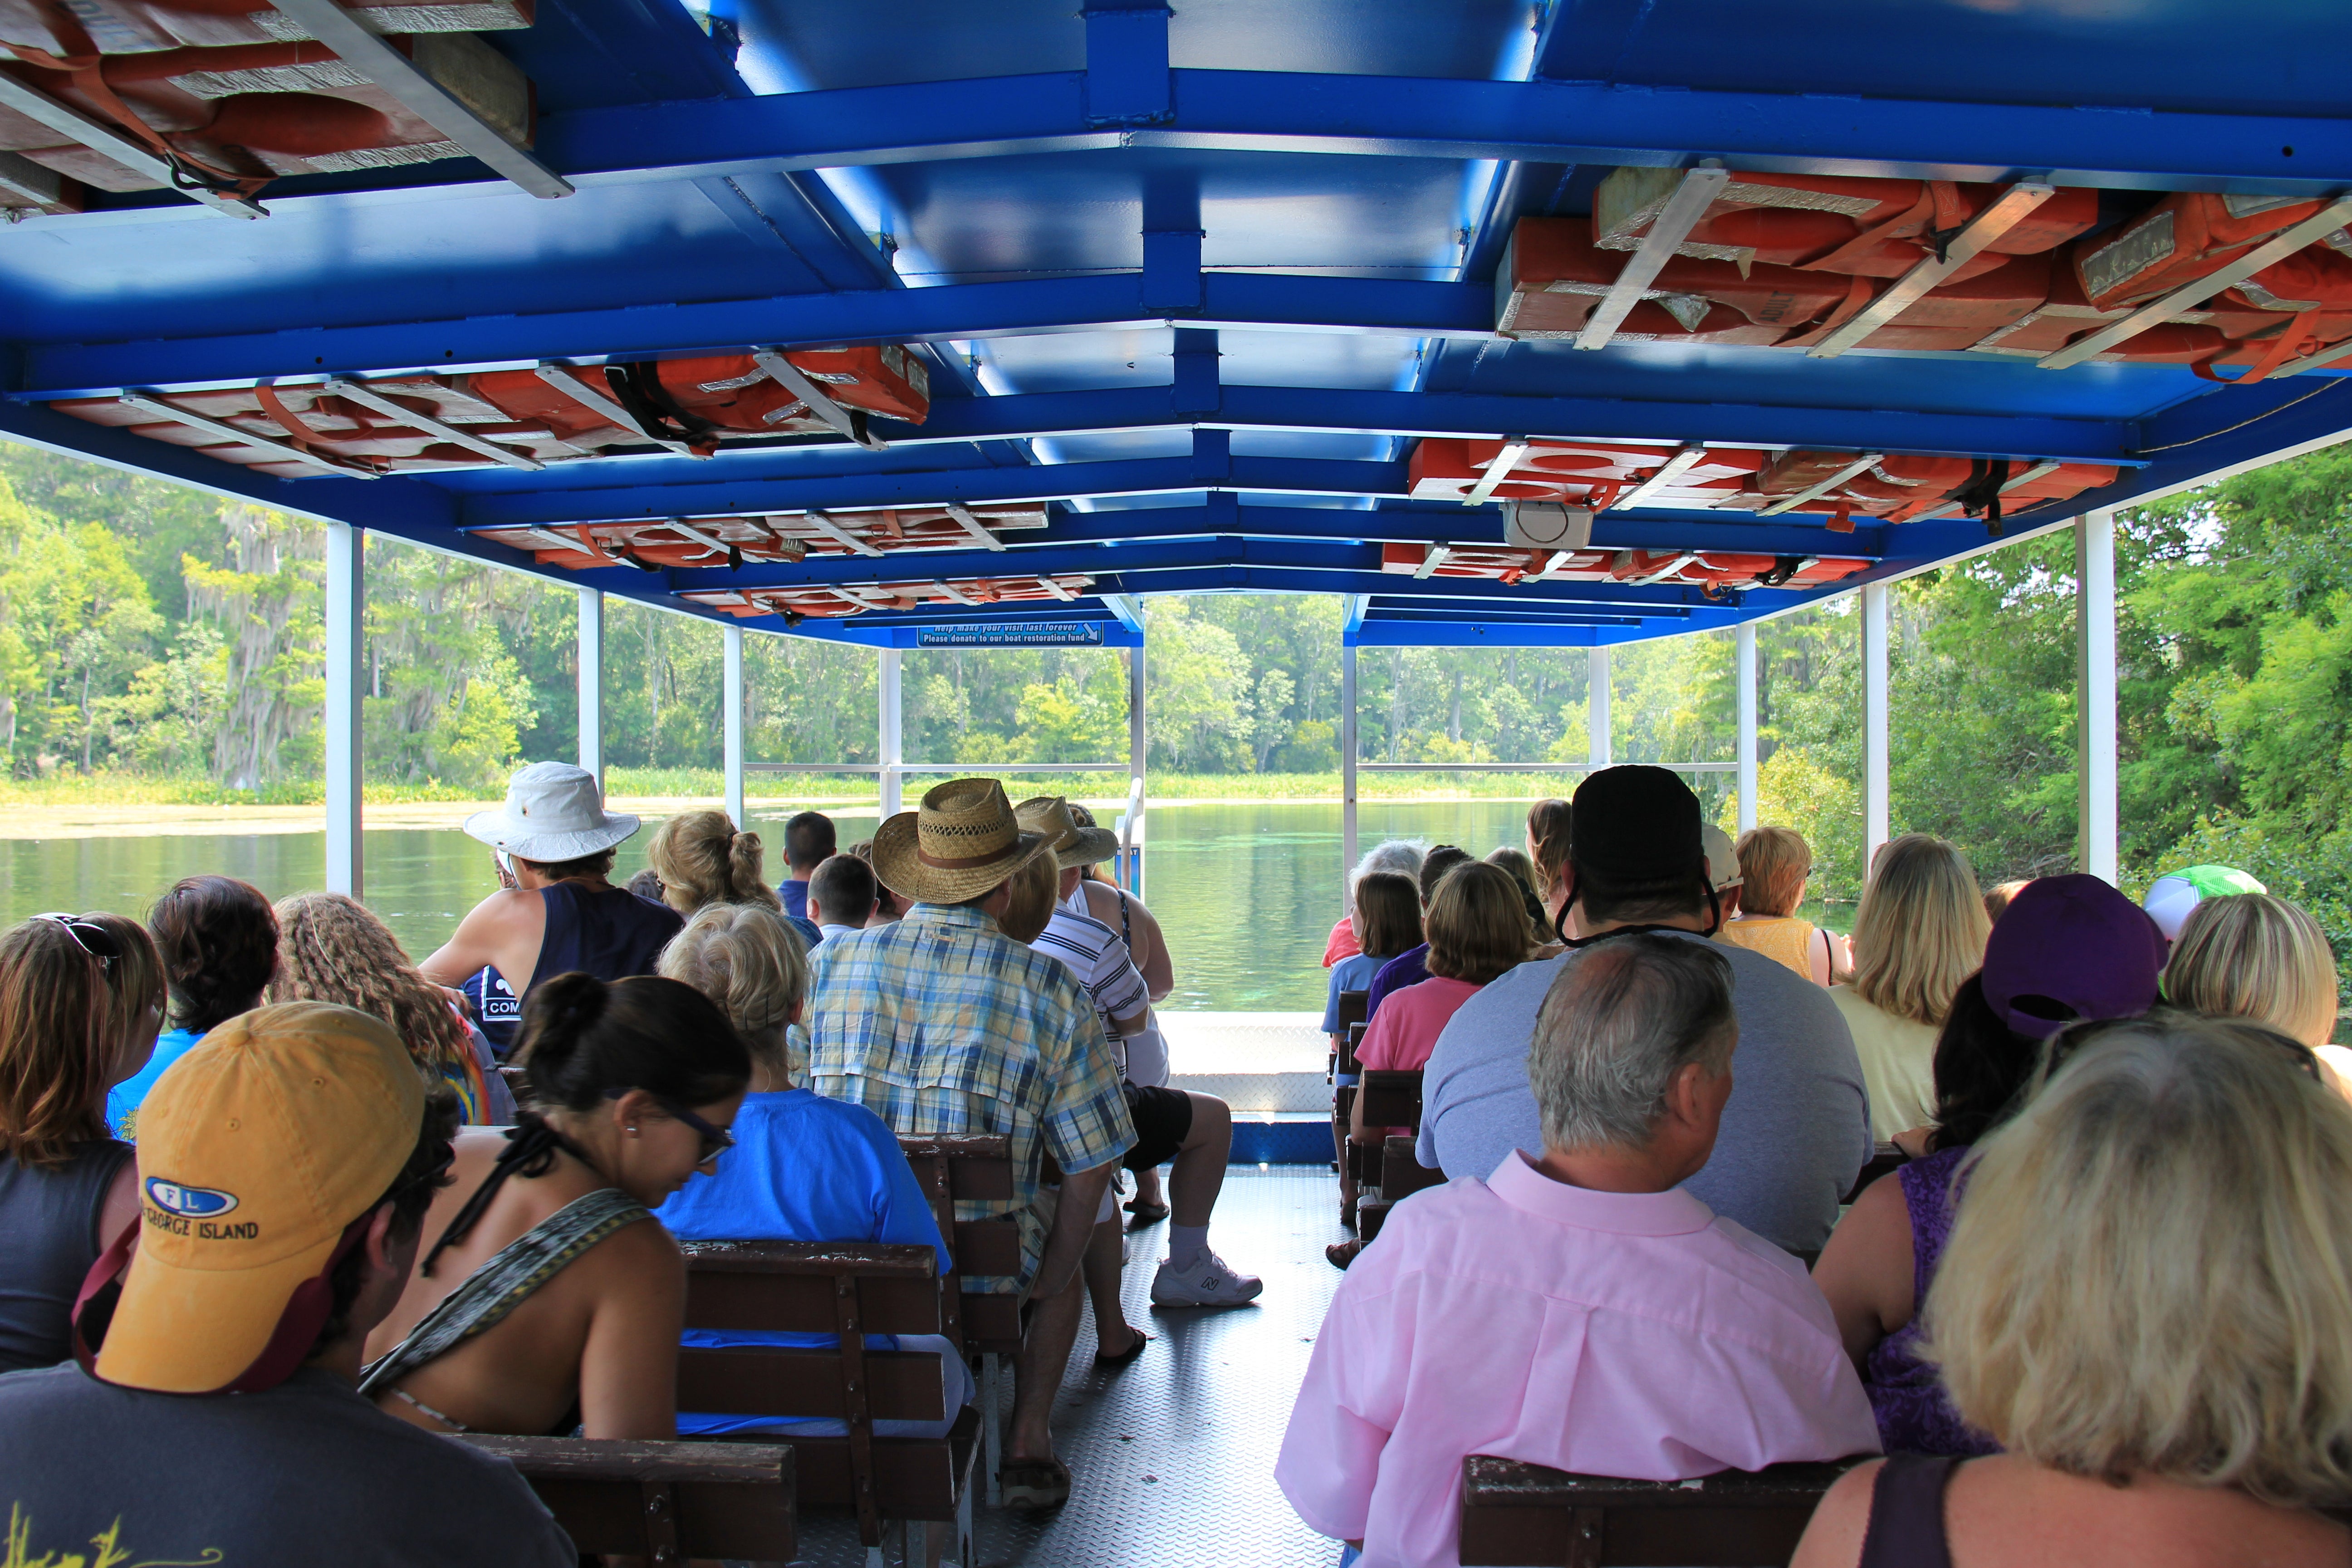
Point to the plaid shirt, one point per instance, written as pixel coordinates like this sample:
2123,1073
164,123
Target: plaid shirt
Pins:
941,1024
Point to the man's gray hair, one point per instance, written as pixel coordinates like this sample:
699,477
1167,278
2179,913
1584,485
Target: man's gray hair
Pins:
1622,1018
1402,855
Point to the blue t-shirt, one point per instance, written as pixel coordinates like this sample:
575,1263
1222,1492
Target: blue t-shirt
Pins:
1353,972
804,1168
810,935
794,892
122,1101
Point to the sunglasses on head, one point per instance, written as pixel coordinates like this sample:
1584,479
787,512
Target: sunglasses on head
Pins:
93,938
2071,1038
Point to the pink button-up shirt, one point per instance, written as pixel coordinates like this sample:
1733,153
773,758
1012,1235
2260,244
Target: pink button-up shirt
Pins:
1631,1334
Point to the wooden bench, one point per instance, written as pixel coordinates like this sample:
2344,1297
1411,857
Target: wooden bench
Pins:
664,1502
1344,1074
1516,1515
848,1290
1389,1100
1351,1007
976,1168
1884,1158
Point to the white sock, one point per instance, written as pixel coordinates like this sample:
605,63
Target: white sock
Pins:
1186,1243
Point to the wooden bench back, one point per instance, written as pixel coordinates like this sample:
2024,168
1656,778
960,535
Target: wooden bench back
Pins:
972,1167
1392,1099
1516,1515
1351,1007
848,1290
1350,1038
664,1502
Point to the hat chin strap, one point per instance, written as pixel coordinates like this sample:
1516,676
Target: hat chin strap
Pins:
1559,921
290,1346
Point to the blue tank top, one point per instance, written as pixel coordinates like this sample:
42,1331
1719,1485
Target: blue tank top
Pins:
50,1218
610,933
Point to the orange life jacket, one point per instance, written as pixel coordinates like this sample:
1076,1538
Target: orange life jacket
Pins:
1552,276
2178,240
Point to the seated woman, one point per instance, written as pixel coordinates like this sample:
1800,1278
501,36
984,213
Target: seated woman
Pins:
699,859
2069,948
550,1300
1386,922
1774,864
2144,1304
804,1168
80,998
1399,857
1478,930
217,939
1523,871
2253,956
1920,931
333,949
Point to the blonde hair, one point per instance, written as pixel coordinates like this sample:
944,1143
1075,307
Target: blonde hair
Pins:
1996,898
1921,928
1773,865
1478,925
1036,888
2151,1270
702,859
749,959
333,949
1547,827
2252,955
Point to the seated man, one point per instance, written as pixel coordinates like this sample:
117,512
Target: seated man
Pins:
1796,1133
941,1024
286,1164
1576,1310
1195,1130
841,896
808,843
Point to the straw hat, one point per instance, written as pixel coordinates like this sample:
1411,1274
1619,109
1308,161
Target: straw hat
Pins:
1073,845
962,841
555,812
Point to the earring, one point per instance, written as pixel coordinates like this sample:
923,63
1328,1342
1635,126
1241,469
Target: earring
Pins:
633,1129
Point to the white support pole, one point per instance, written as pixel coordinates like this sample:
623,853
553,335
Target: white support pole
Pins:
346,664
888,754
592,682
1875,755
1747,703
1596,712
1138,753
2095,692
1346,760
733,700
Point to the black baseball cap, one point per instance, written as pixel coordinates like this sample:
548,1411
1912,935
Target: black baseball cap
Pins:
1636,824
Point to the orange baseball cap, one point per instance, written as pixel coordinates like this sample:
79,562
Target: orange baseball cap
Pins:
257,1152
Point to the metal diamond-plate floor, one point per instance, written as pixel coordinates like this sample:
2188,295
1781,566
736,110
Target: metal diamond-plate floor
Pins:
1173,1456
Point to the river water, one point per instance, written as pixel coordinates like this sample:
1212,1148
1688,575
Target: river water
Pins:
1246,893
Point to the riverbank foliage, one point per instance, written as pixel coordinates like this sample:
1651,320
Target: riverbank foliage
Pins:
156,645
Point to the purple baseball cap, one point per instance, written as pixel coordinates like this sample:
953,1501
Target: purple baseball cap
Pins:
2069,948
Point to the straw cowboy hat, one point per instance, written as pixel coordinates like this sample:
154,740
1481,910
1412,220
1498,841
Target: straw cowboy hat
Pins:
1073,845
553,812
961,842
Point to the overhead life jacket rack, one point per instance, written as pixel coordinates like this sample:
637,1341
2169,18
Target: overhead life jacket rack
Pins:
231,94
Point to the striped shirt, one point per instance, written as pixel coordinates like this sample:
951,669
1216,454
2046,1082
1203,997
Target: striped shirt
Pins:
1101,961
940,1024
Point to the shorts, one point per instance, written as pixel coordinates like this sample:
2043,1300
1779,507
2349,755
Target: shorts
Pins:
1163,1119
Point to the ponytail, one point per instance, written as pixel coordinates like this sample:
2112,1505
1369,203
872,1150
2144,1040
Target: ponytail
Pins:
745,863
702,859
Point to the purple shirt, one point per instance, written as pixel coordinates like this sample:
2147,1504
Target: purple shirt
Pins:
1409,967
1633,1335
1915,1414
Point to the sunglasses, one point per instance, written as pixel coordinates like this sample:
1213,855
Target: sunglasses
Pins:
2074,1036
716,1141
434,1176
93,938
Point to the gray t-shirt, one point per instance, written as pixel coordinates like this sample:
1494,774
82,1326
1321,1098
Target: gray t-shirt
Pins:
306,1473
1795,1132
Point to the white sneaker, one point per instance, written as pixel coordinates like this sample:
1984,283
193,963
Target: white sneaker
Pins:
1204,1282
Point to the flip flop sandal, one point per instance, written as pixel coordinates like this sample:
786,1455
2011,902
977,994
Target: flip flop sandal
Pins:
1127,1356
1340,1254
1033,1483
1146,1214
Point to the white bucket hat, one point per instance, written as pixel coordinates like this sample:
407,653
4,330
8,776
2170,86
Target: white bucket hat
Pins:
555,812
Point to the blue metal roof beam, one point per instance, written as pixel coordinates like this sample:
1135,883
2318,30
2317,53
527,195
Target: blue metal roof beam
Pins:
1411,117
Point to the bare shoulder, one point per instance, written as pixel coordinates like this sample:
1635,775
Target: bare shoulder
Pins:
503,908
1833,1539
1872,1237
